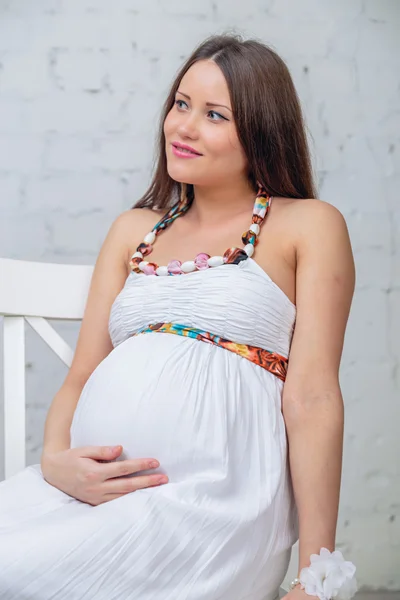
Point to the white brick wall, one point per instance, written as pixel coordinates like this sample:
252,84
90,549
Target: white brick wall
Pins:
81,84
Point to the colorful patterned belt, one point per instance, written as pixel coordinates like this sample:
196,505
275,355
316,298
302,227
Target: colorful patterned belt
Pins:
271,361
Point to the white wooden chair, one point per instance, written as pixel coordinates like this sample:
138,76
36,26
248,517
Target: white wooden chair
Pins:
33,292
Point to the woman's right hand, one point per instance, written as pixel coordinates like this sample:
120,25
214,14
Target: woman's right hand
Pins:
86,474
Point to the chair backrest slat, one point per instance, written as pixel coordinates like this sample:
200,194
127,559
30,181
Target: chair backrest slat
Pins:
33,292
14,395
52,339
46,290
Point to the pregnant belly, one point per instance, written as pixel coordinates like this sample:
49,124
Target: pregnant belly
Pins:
192,406
152,396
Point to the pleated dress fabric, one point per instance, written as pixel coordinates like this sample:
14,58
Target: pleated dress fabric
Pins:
224,525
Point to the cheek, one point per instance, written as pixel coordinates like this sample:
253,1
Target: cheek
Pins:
170,124
241,158
227,148
235,143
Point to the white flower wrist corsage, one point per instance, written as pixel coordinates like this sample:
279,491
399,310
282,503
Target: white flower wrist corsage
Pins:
329,576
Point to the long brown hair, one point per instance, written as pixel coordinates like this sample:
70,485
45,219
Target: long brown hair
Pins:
267,115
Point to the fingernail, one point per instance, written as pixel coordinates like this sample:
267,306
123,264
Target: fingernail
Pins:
162,479
113,448
154,464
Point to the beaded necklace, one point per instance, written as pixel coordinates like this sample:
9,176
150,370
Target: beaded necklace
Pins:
271,361
202,261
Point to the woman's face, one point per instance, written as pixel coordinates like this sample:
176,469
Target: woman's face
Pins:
202,119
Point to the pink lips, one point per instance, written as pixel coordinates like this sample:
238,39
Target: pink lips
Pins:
179,150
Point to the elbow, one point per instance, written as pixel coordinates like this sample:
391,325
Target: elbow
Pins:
313,403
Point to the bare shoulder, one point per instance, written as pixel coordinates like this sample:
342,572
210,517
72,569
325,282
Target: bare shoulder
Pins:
132,225
308,212
136,220
312,221
128,230
313,211
322,244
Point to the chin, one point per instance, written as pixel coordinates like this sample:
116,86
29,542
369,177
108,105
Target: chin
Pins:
182,175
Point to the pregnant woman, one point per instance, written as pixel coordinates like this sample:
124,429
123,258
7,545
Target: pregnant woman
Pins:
198,433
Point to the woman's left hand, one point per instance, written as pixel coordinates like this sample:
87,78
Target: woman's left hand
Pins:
298,594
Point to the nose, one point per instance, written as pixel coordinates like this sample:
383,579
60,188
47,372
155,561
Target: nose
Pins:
188,126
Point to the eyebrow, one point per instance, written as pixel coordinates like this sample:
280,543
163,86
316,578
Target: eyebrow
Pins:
207,103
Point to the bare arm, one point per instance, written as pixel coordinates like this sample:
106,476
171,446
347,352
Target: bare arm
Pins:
94,343
312,399
80,472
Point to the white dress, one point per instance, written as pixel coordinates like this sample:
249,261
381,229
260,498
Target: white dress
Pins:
223,527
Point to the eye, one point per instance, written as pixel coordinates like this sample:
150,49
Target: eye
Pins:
216,116
219,116
177,102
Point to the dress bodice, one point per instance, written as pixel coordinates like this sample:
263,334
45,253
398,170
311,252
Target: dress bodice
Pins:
239,302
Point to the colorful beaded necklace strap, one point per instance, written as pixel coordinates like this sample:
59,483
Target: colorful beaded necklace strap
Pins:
202,261
271,361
